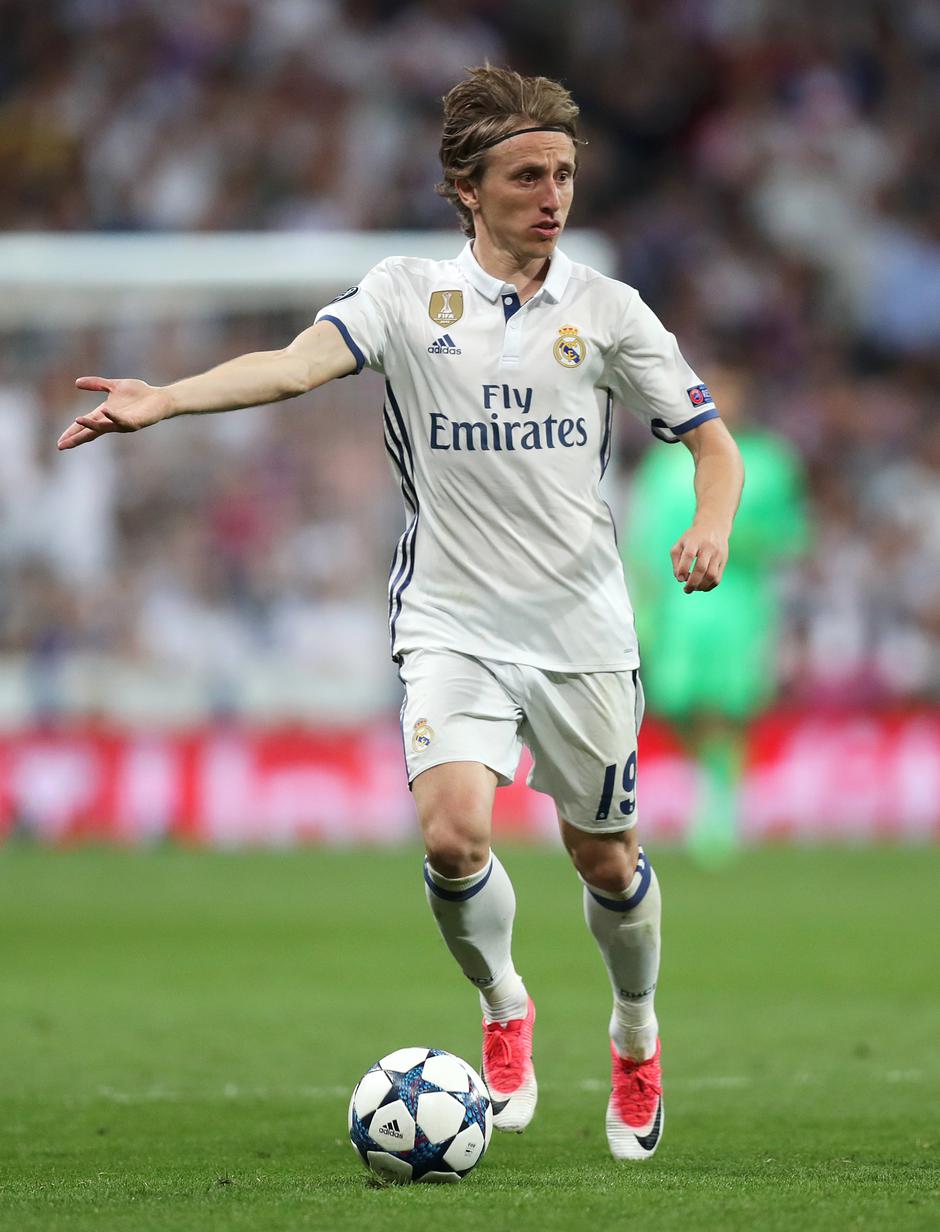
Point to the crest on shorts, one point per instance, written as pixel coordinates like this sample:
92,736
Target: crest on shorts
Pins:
569,348
421,736
446,307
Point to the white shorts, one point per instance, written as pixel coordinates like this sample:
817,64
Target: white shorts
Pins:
581,728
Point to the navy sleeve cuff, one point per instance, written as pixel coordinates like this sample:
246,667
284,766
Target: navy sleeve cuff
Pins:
670,433
348,339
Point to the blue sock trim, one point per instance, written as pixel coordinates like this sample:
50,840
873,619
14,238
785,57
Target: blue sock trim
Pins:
645,869
456,896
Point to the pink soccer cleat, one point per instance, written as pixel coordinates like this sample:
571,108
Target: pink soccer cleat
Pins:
508,1072
635,1108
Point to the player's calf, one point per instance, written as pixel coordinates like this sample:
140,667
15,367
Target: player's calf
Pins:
626,926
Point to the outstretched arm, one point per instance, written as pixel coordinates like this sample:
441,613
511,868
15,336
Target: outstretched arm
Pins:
700,555
314,357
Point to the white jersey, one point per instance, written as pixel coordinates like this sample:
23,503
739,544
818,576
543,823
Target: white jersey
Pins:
498,424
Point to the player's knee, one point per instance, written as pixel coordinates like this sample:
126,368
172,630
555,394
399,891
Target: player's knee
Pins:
455,848
606,862
455,803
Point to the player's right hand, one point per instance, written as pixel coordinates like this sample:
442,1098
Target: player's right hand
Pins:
130,405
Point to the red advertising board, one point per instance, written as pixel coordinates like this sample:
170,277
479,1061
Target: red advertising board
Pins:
809,777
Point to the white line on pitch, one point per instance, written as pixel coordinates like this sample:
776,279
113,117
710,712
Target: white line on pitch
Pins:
233,1090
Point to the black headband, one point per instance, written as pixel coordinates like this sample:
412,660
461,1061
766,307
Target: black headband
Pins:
538,128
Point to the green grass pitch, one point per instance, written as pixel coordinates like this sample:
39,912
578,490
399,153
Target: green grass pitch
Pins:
180,1031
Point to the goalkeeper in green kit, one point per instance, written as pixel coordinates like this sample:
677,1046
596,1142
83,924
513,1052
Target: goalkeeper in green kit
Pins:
710,666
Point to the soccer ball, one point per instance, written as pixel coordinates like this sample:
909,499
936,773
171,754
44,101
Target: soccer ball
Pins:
420,1114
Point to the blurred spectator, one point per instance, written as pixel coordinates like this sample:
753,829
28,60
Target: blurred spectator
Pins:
768,174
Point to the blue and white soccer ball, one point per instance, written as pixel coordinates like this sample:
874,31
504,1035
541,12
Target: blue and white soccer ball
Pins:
420,1114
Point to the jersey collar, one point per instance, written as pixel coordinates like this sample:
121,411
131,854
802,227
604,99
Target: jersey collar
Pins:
559,271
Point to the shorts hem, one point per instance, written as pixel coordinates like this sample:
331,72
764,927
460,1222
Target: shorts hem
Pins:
502,779
592,827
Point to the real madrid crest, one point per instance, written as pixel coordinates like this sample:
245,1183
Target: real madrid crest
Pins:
569,349
422,735
446,307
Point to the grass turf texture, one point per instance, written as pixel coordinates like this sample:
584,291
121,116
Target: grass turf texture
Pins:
180,1031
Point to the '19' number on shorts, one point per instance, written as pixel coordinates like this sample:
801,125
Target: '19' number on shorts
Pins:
628,782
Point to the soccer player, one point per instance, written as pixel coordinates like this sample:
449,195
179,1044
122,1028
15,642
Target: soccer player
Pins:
711,699
508,612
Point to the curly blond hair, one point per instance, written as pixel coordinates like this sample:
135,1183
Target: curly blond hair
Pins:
486,107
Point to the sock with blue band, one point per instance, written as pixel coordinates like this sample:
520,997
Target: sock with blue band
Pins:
626,926
475,916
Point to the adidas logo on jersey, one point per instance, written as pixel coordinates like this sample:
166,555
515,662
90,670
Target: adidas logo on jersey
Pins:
391,1130
444,345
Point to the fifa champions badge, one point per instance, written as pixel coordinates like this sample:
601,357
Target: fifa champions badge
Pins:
569,348
421,736
445,307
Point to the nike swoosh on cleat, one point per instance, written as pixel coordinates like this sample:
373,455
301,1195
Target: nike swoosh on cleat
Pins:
648,1143
498,1105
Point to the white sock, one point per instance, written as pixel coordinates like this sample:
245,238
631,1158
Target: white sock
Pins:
475,916
626,928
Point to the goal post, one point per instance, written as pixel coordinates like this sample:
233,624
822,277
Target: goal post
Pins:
166,304
55,279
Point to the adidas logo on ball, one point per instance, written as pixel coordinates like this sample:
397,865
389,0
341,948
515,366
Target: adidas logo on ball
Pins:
420,1114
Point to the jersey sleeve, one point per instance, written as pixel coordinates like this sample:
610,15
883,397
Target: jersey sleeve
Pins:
362,315
647,373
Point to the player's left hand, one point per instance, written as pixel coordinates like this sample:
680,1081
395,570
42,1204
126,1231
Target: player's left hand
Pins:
699,557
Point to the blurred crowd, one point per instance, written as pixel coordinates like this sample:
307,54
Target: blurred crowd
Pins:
767,170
